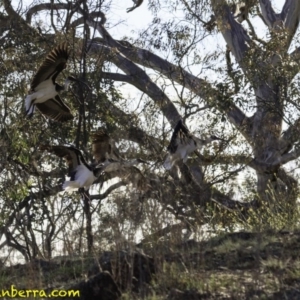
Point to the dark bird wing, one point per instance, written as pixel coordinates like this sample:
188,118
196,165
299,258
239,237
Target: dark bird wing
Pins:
103,147
137,4
180,135
55,109
54,63
70,154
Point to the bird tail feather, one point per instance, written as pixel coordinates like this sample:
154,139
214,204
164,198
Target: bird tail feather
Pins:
28,105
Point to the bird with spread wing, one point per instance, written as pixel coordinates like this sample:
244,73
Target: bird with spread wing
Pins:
183,143
107,160
44,91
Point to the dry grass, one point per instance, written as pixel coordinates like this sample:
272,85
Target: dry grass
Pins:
233,266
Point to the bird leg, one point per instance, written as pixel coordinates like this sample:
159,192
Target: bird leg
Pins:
84,194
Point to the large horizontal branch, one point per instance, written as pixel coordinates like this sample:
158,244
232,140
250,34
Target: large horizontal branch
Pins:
201,87
141,80
197,85
46,6
108,191
172,72
259,166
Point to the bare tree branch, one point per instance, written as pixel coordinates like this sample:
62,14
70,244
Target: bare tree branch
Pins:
289,137
142,81
108,191
269,15
195,84
173,72
17,18
45,6
234,34
290,156
82,20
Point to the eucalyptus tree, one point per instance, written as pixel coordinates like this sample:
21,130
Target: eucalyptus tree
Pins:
227,68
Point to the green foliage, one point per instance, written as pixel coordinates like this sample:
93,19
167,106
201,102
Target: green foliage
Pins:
223,188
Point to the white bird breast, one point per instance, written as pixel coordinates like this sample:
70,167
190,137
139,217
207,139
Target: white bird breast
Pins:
43,92
182,152
186,149
83,178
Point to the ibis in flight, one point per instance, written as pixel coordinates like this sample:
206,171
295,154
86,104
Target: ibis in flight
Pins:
83,175
183,143
44,91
